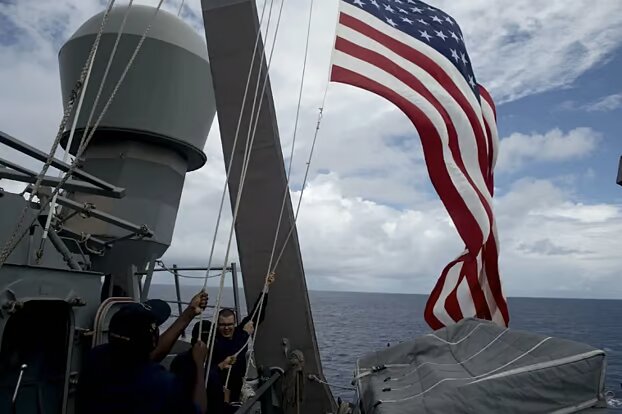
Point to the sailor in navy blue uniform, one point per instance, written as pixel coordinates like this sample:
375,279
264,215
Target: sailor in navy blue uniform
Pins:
229,353
121,377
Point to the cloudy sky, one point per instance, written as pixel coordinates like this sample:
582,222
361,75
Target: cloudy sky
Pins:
370,220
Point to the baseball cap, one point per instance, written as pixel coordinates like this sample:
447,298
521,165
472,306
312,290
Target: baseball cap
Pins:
134,321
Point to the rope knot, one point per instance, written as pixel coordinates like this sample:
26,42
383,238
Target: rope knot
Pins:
296,360
293,379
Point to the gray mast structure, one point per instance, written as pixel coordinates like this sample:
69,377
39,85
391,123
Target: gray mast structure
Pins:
119,207
231,28
153,133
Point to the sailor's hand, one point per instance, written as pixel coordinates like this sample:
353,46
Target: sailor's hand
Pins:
249,327
227,363
270,279
199,353
199,302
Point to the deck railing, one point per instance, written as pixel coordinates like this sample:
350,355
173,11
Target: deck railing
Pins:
175,270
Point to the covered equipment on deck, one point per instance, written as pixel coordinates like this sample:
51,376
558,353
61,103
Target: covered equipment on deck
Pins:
476,366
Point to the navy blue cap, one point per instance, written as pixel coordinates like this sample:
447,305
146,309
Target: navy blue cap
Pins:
160,310
138,320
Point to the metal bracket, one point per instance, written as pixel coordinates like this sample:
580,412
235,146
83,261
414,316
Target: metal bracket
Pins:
58,164
91,211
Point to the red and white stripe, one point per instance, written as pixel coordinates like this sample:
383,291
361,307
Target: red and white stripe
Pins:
458,144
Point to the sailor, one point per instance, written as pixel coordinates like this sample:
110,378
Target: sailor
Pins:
120,377
231,344
185,369
231,340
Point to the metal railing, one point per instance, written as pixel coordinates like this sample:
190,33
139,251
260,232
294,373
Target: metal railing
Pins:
263,394
145,284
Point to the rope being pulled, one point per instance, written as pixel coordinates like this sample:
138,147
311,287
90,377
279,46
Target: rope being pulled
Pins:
224,190
247,155
272,268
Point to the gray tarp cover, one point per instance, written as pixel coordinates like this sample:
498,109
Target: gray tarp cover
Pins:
476,366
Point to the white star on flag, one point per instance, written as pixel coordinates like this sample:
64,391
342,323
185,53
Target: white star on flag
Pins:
425,35
471,81
454,55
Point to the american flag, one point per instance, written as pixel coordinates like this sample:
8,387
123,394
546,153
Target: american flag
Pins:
414,55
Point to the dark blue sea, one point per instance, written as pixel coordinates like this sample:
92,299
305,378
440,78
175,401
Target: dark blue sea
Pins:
349,325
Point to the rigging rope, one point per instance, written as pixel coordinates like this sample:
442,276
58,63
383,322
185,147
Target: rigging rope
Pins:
212,332
11,242
291,156
315,378
247,155
265,290
258,310
304,181
317,129
88,122
224,190
8,250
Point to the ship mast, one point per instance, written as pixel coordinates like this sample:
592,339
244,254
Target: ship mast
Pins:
231,29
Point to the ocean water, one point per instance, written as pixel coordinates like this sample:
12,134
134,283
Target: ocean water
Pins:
349,325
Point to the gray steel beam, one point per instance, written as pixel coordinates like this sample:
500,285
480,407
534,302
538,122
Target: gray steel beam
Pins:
27,176
31,151
100,215
231,28
186,269
16,167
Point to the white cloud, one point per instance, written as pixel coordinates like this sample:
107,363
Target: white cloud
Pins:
606,103
369,220
518,149
603,104
518,50
562,246
550,243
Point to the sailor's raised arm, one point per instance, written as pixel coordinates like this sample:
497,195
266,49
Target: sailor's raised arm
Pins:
256,316
170,336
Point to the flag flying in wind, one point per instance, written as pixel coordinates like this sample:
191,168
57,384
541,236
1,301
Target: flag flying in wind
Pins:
414,55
